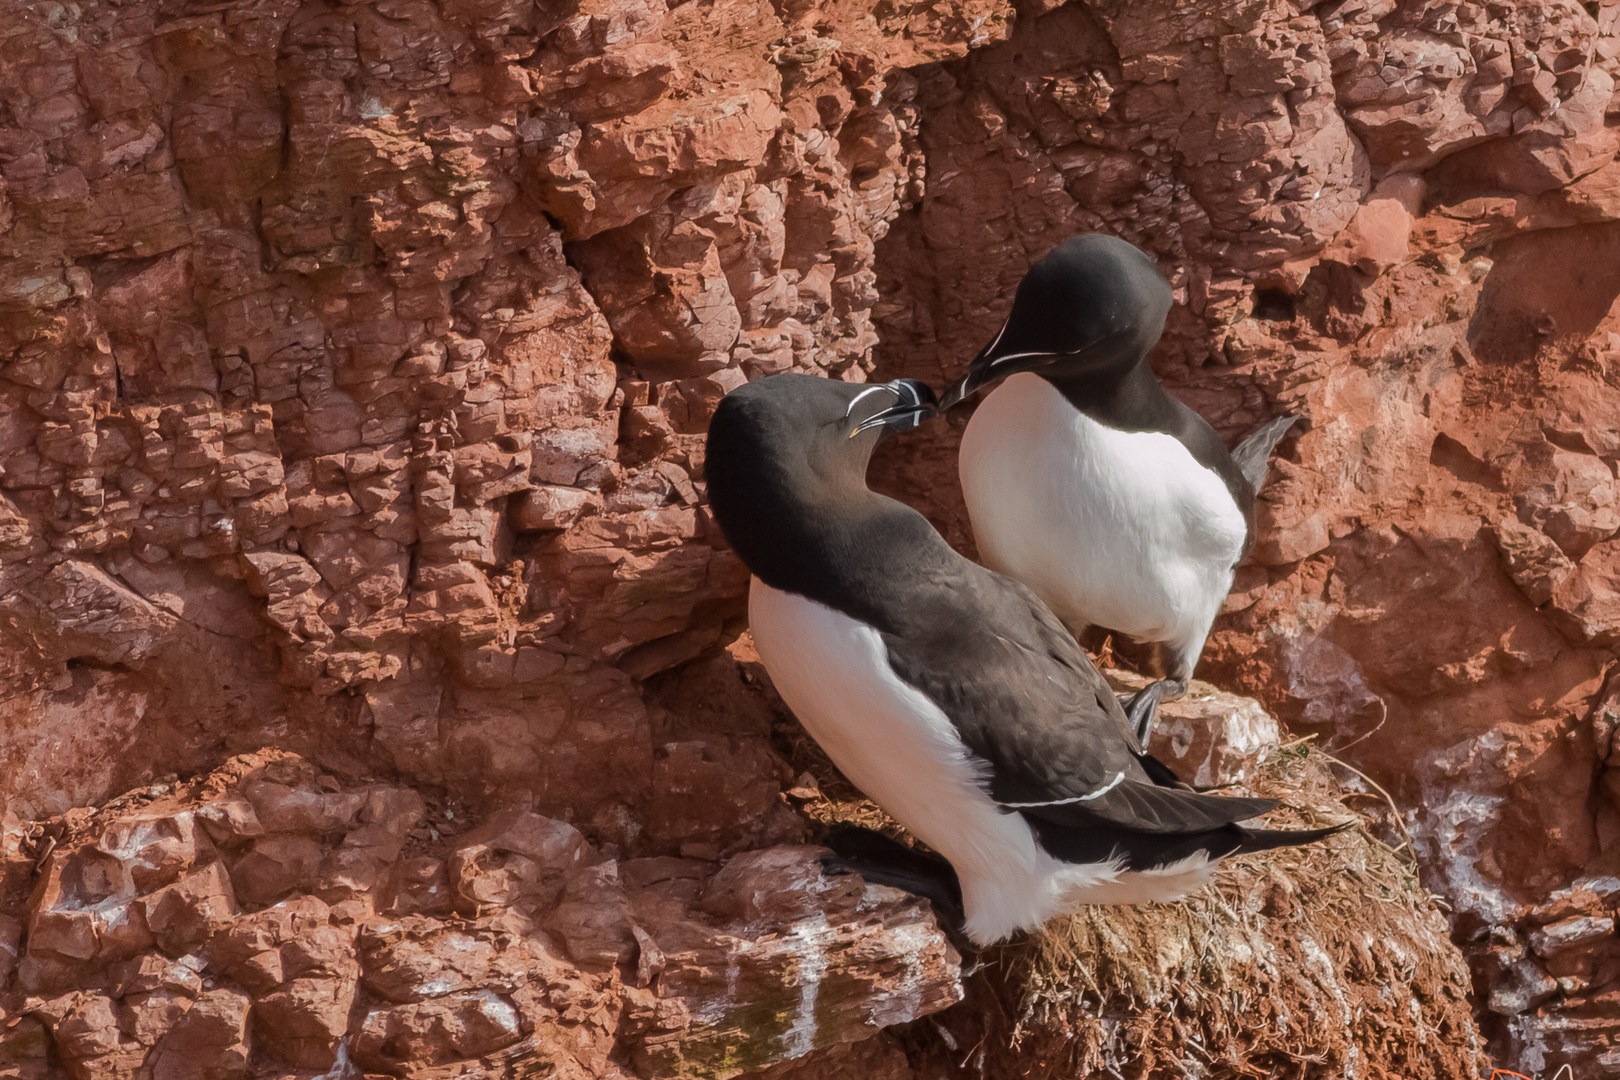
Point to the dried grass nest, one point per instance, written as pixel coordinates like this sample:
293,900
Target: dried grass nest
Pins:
1329,960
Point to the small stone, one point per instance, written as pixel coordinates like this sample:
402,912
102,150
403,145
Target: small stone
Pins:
593,918
1571,933
548,507
444,1029
1535,563
230,818
187,913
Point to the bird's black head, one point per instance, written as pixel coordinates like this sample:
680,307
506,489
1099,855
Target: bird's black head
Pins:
789,452
1093,307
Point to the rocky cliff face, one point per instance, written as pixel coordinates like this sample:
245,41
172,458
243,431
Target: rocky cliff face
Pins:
354,365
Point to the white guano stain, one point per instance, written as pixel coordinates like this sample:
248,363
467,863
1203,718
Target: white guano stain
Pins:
910,942
1327,679
1529,1033
807,943
1451,821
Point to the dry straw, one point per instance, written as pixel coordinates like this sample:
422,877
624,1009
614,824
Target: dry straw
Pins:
1326,960
1330,960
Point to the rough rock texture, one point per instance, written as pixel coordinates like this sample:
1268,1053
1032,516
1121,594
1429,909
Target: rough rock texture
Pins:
268,916
355,360
1400,220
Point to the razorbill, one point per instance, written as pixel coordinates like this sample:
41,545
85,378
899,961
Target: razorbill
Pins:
1087,481
948,693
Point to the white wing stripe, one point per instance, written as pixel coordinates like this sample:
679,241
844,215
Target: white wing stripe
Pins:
1099,793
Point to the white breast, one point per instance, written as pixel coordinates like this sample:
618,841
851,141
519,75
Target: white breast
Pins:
1111,528
899,748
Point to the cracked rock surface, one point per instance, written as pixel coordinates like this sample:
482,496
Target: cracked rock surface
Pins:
355,361
267,917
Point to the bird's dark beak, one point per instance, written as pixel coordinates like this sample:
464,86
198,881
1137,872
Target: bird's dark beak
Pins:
914,403
979,373
998,360
995,361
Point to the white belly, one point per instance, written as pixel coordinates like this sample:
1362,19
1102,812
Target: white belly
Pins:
896,745
1111,528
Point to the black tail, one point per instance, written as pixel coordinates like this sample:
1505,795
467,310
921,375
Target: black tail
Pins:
1254,453
1266,839
883,861
1147,851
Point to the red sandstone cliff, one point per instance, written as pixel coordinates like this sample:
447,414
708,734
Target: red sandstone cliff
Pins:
354,365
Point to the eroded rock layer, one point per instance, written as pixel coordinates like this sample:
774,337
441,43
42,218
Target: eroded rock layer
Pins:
355,360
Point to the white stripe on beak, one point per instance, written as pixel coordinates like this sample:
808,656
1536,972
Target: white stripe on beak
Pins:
869,390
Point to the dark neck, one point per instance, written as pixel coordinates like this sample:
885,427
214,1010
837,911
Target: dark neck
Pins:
841,545
1132,400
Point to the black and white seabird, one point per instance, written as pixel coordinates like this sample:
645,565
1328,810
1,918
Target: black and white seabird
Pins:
1086,480
948,693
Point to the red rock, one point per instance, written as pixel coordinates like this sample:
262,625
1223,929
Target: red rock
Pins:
187,913
145,1017
70,935
212,1035
88,1027
1571,933
305,1017
283,809
423,886
25,1046
269,929
413,958
593,918
513,854
230,819
291,381
386,818
713,976
155,849
1209,738
276,865
149,973
554,845
350,873
549,507
262,972
444,1029
1376,238
1583,895
11,930
1536,564
1586,604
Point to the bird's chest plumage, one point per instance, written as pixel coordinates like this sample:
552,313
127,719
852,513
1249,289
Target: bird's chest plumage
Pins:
1120,529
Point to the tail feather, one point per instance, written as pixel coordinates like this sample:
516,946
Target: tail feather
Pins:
1267,839
1253,454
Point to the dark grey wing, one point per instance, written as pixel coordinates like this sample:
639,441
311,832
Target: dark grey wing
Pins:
1027,701
1021,693
1253,454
